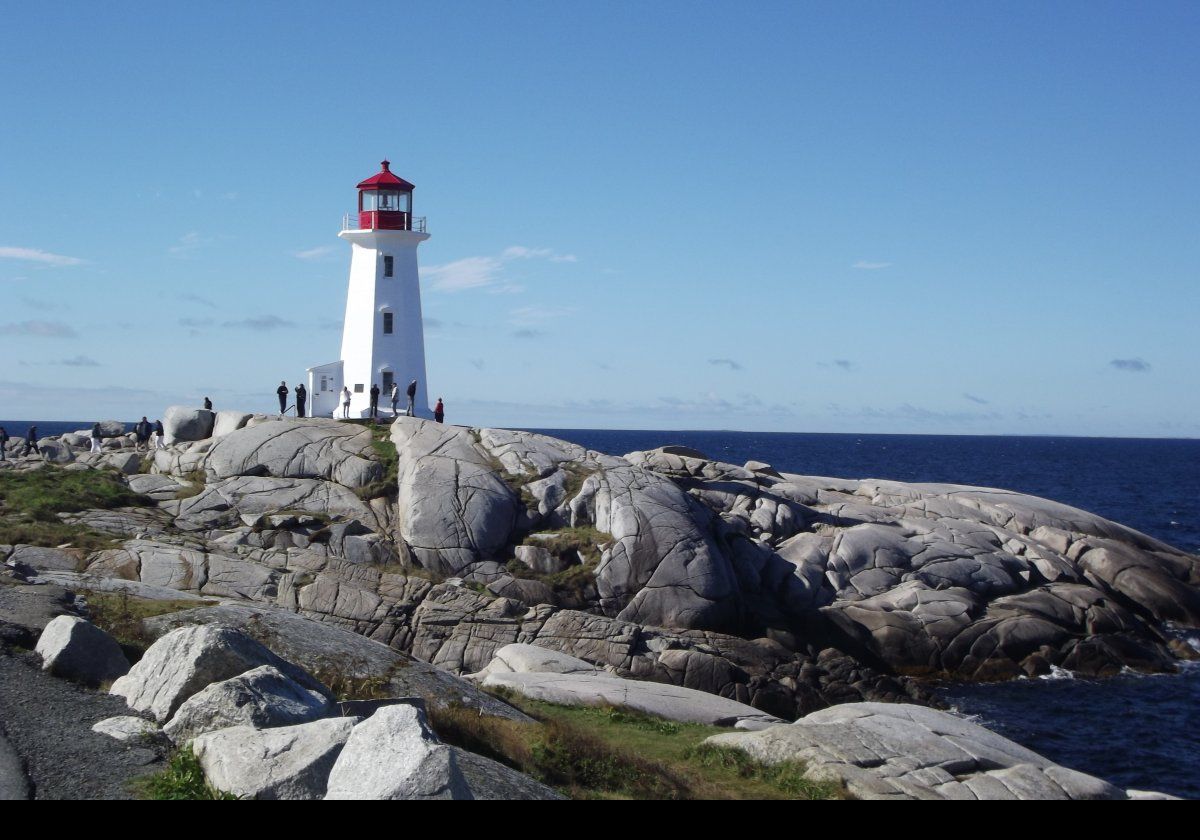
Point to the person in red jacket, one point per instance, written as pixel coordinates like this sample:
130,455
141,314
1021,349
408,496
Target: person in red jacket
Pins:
439,411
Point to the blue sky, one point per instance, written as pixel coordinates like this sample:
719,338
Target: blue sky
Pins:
945,218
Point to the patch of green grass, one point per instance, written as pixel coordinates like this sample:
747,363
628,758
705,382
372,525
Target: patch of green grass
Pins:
120,615
13,531
576,476
575,584
787,776
39,495
605,753
385,453
584,539
182,778
31,501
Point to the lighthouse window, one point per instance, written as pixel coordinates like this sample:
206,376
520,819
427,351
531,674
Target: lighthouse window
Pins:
387,323
387,266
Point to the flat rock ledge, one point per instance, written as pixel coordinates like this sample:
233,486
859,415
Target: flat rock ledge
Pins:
666,701
898,751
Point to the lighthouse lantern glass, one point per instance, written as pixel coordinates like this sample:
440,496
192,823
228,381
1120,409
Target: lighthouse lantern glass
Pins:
388,200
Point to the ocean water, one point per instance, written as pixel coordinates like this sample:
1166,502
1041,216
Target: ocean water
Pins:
1136,731
1139,732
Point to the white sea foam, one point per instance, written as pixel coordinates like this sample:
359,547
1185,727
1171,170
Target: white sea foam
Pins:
1057,673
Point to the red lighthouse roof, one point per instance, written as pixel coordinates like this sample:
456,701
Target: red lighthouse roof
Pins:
385,180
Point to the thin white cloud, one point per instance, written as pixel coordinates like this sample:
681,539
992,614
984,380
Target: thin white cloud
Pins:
467,273
867,265
80,361
520,252
37,256
314,253
487,272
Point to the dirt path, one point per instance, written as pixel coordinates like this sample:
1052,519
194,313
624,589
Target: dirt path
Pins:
47,722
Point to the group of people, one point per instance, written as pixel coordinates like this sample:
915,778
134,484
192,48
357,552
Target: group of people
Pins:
147,436
301,398
439,410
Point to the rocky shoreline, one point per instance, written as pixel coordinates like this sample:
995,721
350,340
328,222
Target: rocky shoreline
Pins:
454,549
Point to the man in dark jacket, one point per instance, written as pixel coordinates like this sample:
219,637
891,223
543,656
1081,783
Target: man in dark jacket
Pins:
374,401
3,443
141,433
412,398
282,391
31,439
301,399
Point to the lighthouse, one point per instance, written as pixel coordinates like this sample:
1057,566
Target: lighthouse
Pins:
383,339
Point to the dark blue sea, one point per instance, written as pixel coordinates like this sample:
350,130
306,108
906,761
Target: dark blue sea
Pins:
1138,732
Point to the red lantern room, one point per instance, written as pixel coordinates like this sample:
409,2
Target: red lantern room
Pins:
385,202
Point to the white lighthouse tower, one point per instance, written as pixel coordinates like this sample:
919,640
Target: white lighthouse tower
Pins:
383,339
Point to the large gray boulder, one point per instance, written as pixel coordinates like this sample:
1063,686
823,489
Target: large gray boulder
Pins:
262,698
229,421
79,650
187,660
394,755
663,567
453,509
322,647
229,502
111,429
311,448
55,451
183,423
896,751
666,701
288,762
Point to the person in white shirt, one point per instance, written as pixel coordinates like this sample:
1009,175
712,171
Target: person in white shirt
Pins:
346,402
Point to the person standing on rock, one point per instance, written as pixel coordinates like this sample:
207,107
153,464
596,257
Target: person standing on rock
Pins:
282,391
96,448
439,411
158,435
374,401
395,397
207,404
141,433
345,402
31,439
3,444
301,399
412,399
